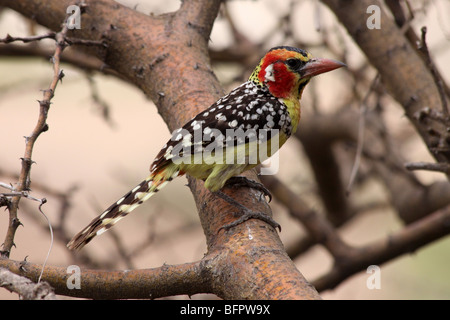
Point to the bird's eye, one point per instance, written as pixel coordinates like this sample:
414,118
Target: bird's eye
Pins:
294,64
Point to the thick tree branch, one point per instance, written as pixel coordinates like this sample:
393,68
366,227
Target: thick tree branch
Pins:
205,276
171,65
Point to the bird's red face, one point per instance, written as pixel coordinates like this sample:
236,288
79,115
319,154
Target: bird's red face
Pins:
285,71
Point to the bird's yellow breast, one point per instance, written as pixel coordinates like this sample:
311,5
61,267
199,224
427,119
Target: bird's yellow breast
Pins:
293,108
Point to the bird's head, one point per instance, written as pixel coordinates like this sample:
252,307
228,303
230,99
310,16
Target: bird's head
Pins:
285,71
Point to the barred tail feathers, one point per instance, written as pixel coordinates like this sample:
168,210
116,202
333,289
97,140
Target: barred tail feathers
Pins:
118,210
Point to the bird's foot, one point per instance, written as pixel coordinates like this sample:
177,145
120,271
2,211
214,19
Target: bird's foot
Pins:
240,181
252,215
245,214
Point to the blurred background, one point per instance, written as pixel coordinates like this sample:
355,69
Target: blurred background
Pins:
104,133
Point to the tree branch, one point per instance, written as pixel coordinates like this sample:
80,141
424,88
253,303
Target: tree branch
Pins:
41,126
411,199
348,259
27,289
406,240
402,70
171,66
153,283
72,56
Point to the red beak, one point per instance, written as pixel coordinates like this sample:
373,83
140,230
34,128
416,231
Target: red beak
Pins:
317,66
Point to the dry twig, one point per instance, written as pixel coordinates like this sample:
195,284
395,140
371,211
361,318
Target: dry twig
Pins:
23,184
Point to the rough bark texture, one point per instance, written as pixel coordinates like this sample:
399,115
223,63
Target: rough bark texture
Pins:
167,58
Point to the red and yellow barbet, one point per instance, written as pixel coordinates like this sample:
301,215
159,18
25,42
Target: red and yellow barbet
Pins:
267,103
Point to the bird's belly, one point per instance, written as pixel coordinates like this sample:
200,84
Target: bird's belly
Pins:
217,166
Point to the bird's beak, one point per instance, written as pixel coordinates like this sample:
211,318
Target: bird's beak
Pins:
317,66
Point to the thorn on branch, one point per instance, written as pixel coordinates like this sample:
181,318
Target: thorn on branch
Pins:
28,161
8,38
61,75
16,222
46,102
22,264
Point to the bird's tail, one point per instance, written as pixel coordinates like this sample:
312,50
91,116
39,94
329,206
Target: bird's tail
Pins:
118,210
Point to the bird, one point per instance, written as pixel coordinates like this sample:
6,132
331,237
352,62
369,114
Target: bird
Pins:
235,134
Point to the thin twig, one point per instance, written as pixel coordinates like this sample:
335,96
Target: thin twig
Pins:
429,166
53,35
41,126
437,79
84,42
51,239
103,107
24,194
9,38
361,129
